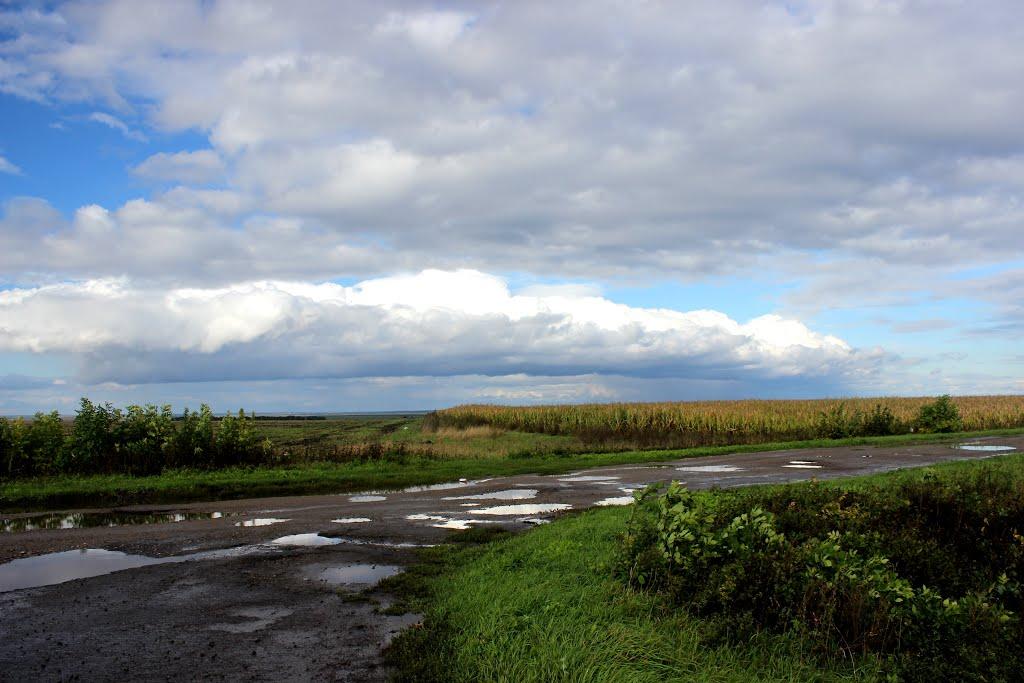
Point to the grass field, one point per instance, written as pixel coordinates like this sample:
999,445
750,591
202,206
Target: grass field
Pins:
546,606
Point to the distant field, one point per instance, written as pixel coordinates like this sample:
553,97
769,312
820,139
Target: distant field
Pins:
719,423
144,454
340,439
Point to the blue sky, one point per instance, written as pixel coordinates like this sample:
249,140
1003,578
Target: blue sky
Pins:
402,206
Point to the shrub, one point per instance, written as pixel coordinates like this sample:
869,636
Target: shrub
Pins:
837,423
237,443
192,445
12,448
879,422
940,416
93,439
143,439
925,574
45,436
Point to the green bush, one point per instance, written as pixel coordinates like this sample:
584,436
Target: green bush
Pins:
12,448
144,437
237,443
92,444
192,444
879,422
925,574
940,416
139,440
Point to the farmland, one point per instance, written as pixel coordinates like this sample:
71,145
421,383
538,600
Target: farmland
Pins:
146,454
717,423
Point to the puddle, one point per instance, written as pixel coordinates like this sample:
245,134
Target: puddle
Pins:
383,544
86,520
425,518
803,462
587,477
461,484
259,618
458,524
263,521
710,468
509,494
980,447
306,540
468,505
352,520
802,465
527,509
357,574
45,570
620,500
54,568
448,523
536,521
369,498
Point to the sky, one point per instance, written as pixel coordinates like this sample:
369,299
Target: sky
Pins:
325,206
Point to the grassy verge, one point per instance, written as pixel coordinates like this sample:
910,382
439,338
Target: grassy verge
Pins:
546,606
180,486
543,606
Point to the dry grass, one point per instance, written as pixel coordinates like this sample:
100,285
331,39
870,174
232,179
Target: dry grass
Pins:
473,432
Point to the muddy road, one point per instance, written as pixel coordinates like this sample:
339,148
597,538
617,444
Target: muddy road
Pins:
281,588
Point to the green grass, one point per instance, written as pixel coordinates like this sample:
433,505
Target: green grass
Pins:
545,606
180,486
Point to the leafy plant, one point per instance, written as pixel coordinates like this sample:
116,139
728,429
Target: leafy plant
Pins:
940,416
924,574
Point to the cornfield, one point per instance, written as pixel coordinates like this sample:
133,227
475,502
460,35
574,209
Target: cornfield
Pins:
710,423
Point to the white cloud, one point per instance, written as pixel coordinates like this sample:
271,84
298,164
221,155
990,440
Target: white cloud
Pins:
649,139
432,324
7,167
199,167
854,154
117,124
431,30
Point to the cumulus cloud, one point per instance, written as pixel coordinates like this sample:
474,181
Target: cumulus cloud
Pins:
682,139
434,324
856,154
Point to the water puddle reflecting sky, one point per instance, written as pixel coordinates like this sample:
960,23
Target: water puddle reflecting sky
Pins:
86,520
984,448
357,574
525,509
618,500
306,540
44,570
509,494
263,521
710,468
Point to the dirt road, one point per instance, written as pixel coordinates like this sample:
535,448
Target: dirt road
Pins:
235,591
